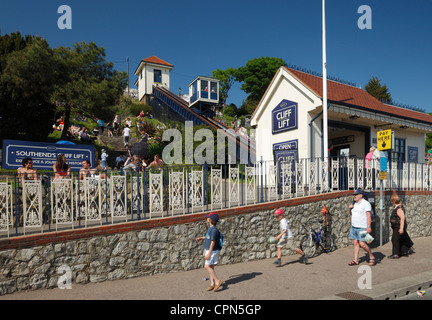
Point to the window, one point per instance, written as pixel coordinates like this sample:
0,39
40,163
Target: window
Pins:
213,90
204,89
157,76
398,152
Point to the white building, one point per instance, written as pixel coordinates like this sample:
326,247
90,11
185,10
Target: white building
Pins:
288,121
152,71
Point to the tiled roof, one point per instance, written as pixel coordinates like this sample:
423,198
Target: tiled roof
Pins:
356,97
156,60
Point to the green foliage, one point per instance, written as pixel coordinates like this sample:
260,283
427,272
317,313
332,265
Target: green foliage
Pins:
230,111
37,81
377,90
247,107
257,75
227,79
11,43
89,83
26,84
428,142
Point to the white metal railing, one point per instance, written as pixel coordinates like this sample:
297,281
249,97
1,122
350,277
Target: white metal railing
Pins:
46,204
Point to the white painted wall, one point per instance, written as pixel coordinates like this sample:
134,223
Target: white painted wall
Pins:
145,80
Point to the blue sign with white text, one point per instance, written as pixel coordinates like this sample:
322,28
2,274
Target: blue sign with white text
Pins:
44,154
284,116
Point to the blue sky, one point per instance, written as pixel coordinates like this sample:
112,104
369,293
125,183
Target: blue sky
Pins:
198,37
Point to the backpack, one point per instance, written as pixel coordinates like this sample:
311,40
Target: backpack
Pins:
221,238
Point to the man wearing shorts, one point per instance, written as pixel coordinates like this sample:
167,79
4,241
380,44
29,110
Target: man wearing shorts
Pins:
360,211
285,237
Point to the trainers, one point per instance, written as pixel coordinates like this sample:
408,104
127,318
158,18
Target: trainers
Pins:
278,261
305,258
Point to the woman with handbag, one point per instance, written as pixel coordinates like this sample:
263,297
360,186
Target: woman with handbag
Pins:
401,241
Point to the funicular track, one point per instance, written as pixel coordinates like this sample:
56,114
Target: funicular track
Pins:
181,107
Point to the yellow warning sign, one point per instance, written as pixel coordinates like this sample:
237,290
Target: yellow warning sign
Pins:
382,175
384,140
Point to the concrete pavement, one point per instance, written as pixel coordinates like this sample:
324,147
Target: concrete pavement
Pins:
326,276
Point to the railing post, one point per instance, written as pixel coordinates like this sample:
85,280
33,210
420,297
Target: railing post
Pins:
261,179
138,193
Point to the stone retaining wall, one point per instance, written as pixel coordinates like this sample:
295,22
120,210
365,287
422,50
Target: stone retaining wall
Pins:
164,245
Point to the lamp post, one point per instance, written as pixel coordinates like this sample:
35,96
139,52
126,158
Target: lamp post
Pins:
324,57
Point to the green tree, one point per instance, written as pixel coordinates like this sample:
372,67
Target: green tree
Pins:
377,90
11,43
26,83
227,79
89,83
257,74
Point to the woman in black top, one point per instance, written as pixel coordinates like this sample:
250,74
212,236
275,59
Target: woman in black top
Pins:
400,239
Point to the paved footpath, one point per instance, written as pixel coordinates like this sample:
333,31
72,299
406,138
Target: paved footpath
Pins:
326,276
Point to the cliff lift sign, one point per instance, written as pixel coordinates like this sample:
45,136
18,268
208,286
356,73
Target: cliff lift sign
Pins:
44,154
284,116
384,140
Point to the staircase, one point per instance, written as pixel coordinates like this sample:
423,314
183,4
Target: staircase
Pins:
115,146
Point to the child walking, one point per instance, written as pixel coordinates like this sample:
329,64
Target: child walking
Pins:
285,237
211,250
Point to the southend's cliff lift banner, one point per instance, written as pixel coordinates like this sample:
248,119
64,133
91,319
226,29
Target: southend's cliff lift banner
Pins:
44,154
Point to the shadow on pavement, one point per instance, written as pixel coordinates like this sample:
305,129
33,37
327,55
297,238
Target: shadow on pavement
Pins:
240,278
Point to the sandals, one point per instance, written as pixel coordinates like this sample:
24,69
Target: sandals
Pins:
218,285
215,286
372,262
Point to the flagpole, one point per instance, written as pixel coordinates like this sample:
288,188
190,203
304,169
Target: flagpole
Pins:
324,57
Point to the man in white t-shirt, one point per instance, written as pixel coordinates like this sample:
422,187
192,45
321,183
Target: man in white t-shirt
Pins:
360,211
126,135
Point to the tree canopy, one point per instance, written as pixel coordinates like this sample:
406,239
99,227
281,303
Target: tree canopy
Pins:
257,74
379,91
255,77
28,75
227,79
37,81
88,83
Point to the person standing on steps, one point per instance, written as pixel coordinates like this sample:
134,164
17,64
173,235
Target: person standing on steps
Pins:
360,211
126,136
